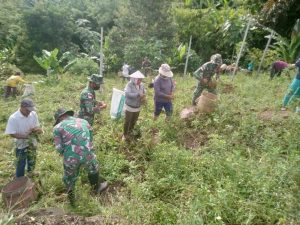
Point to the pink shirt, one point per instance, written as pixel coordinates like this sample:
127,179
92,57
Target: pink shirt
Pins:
280,65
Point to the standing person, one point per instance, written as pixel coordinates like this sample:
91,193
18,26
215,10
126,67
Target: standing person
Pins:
73,140
205,74
23,125
125,71
277,67
88,104
294,87
163,91
11,84
134,97
146,66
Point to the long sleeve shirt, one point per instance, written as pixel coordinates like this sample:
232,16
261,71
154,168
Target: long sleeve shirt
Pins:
207,70
132,94
162,88
73,136
13,81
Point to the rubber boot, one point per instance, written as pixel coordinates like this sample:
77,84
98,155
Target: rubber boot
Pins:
98,183
71,197
94,181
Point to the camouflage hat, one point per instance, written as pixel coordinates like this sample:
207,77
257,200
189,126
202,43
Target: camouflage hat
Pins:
60,112
216,58
95,78
28,104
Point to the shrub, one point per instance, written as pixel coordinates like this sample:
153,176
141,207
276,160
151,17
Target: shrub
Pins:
7,69
83,66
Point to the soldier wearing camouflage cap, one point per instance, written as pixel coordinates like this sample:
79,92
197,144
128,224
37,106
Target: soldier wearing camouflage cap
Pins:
205,74
88,104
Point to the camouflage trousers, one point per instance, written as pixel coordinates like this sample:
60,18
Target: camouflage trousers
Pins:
201,87
72,164
89,118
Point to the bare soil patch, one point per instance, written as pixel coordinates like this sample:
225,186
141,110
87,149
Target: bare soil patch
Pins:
227,88
56,216
195,140
269,114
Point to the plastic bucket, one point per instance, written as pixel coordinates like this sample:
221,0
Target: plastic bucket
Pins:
207,102
19,193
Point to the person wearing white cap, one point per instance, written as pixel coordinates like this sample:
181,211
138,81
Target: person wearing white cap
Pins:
134,97
163,91
23,125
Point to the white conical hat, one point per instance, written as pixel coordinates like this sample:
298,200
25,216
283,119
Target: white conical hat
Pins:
137,74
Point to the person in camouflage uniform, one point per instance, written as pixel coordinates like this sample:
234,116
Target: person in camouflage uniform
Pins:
204,76
73,140
88,104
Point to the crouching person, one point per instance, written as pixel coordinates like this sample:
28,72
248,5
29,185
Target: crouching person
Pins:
204,75
73,140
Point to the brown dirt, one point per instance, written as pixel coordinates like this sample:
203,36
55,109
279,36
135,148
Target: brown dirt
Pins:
57,217
269,114
227,88
195,140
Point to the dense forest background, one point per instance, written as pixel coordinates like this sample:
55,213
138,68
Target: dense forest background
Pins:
238,165
134,29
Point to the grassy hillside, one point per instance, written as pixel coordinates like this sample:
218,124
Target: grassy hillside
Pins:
239,165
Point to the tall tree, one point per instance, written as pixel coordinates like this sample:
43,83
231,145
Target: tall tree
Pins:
148,20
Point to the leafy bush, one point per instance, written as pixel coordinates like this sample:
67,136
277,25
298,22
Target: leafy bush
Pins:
7,69
83,66
254,55
289,50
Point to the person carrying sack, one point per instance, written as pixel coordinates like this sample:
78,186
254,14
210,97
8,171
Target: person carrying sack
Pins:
205,74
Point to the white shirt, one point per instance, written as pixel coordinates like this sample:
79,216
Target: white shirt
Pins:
20,124
125,71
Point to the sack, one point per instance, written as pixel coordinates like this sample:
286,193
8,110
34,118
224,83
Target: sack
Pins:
212,83
29,90
117,103
203,81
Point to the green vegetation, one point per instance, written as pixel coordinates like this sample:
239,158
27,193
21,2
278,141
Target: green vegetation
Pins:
239,165
236,166
134,29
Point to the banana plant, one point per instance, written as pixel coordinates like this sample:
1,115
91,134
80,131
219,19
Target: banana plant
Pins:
50,62
289,50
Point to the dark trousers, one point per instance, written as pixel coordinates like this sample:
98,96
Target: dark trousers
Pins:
130,121
274,72
25,156
10,91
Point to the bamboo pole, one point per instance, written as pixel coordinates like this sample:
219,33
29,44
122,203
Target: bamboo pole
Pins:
101,53
187,57
265,51
241,49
